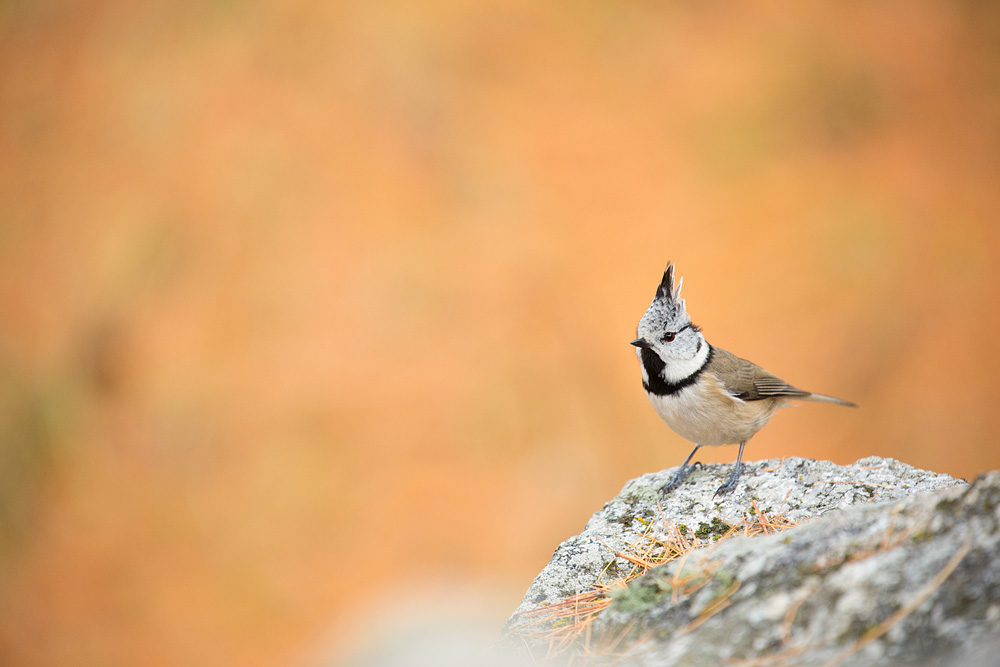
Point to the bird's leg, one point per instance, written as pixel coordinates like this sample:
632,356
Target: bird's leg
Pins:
734,476
681,473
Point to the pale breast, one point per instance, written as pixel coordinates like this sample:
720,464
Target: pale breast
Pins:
707,415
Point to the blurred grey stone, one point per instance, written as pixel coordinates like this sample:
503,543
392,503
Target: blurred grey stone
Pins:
910,556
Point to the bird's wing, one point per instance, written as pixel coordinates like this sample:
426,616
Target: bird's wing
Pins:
747,381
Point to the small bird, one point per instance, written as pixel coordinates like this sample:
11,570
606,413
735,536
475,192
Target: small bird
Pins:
705,394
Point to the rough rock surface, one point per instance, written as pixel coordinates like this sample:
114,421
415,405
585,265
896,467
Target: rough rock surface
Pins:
906,571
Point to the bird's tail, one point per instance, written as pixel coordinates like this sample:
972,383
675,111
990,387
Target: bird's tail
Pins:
823,398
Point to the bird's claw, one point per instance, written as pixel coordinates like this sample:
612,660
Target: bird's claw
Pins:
730,483
676,480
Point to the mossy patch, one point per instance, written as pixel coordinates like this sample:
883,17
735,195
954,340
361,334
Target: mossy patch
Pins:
714,530
639,596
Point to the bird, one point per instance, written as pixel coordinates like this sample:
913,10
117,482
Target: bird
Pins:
704,393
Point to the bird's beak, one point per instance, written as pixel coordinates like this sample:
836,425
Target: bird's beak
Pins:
640,342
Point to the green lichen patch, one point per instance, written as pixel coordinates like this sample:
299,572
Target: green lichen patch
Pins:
640,595
714,530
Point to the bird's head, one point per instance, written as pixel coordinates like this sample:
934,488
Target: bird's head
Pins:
666,329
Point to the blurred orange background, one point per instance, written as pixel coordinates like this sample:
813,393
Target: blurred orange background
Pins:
309,306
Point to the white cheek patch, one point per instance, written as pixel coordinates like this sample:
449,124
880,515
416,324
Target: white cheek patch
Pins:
677,370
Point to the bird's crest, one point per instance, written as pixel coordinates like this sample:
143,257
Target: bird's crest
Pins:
668,310
666,288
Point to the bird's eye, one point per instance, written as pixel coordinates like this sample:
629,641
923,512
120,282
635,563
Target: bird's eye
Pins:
669,336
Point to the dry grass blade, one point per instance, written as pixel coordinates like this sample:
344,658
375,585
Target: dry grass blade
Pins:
777,467
713,608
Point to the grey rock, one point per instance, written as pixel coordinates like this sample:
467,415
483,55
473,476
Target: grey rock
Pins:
801,488
895,565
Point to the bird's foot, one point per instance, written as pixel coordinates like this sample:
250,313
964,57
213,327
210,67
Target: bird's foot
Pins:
730,482
678,477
